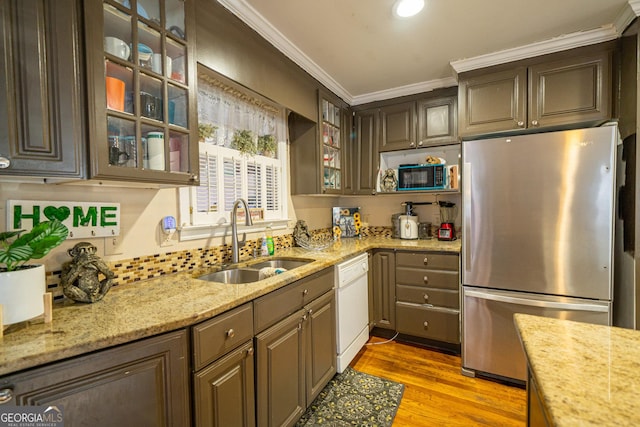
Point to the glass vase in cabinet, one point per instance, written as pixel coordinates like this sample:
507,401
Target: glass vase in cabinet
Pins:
141,75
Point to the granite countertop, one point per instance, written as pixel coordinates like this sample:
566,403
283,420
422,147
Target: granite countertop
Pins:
147,308
586,374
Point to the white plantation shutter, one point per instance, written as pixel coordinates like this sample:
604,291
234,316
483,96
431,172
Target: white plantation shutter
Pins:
272,182
254,185
207,191
232,181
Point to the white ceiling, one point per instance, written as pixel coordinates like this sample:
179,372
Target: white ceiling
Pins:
360,51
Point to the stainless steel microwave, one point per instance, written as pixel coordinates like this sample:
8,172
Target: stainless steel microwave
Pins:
422,177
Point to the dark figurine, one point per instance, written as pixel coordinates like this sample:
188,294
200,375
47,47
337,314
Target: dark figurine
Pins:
81,277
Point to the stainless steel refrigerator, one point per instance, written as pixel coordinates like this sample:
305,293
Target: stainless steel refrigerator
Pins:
538,224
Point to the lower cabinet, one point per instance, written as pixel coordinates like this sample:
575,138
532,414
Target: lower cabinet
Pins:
295,359
383,289
427,295
145,383
223,379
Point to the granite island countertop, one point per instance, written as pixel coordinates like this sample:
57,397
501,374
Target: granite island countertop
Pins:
135,311
586,374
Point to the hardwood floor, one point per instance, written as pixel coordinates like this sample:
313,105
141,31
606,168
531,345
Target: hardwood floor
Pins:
436,393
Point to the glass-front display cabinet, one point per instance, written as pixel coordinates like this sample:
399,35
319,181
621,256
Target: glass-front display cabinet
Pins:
331,132
141,90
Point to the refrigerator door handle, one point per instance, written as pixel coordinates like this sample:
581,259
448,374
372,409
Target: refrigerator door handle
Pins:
536,303
466,217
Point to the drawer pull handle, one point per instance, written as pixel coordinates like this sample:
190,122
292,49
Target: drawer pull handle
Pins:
426,261
231,333
6,394
426,324
426,279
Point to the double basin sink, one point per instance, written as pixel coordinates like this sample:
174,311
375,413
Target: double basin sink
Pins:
252,272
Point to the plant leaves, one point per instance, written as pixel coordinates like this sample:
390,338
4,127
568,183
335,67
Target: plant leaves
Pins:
13,255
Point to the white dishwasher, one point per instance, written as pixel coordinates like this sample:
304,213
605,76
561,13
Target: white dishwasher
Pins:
352,302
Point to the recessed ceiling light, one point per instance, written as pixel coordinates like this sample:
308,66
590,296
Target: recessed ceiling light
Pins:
407,8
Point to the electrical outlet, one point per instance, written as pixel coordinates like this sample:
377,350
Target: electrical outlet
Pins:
112,246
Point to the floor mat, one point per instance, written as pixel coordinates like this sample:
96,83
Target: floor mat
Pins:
354,398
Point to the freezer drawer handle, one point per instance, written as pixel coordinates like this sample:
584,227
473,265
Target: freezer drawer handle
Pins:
537,303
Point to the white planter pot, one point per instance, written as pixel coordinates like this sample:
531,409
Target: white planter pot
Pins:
21,294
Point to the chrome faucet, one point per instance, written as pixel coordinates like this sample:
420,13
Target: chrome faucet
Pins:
235,244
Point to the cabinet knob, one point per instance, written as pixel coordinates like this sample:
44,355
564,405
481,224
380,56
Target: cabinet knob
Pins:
426,324
231,333
310,312
305,292
426,297
426,279
4,162
534,123
6,394
373,192
420,144
193,177
250,351
521,124
412,144
426,261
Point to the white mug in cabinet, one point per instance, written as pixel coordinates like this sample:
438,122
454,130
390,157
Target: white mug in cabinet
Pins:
155,146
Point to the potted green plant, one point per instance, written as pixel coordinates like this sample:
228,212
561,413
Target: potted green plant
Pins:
22,285
243,141
206,131
267,145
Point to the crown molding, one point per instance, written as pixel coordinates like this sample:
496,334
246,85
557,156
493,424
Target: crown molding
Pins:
258,23
404,90
557,44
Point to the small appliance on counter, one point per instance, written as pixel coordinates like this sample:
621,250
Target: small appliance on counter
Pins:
408,227
448,214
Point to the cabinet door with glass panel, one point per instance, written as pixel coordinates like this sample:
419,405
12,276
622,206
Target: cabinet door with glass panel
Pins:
331,143
140,66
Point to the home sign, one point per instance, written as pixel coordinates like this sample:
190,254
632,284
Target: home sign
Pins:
83,219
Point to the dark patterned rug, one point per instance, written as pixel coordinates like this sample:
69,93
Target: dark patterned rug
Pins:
353,398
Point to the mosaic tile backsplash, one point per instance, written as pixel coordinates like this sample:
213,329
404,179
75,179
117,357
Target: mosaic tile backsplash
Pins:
141,268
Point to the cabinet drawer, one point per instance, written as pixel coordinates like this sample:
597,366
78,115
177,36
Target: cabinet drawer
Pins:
440,324
279,304
215,337
421,295
427,278
435,261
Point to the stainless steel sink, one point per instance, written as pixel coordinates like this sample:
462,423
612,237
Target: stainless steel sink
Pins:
286,263
251,273
233,276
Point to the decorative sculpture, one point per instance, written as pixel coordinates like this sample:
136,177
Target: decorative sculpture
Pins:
86,278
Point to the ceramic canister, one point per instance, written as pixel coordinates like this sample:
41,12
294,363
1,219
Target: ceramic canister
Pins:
155,146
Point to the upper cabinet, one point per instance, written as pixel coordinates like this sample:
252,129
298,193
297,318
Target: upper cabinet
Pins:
418,124
570,88
41,90
319,152
141,75
398,127
364,163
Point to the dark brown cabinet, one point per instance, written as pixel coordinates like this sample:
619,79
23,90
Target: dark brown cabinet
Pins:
437,121
295,355
41,90
397,127
427,295
383,275
223,381
571,88
365,152
141,73
320,153
145,383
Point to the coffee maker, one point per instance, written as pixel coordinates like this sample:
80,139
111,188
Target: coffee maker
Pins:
448,215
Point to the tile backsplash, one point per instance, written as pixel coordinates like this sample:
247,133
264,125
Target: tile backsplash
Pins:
133,270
